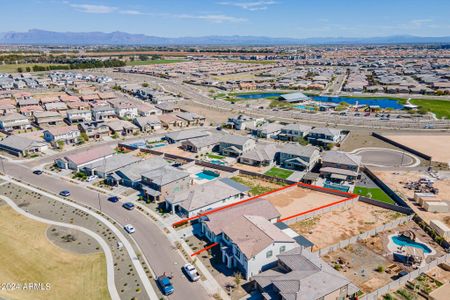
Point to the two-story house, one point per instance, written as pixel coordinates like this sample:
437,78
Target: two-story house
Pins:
268,130
67,134
235,145
340,165
241,122
47,119
158,184
103,112
293,132
14,121
323,136
298,157
251,242
125,109
78,116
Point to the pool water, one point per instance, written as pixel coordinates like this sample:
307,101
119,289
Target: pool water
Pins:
403,241
157,145
207,176
217,162
305,107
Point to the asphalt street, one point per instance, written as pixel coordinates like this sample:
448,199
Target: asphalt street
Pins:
160,254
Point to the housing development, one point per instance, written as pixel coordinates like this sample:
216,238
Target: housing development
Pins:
223,167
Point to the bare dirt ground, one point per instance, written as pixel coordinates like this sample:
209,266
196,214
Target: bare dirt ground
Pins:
396,180
251,168
359,266
175,150
213,116
296,199
436,146
341,224
363,139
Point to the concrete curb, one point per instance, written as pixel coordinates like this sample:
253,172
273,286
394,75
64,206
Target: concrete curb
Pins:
415,164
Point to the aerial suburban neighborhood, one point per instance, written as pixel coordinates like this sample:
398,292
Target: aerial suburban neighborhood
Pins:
226,161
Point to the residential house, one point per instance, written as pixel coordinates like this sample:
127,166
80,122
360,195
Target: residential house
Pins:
167,107
262,155
298,157
28,102
22,146
6,108
79,105
210,195
293,132
79,160
241,122
56,106
105,168
122,127
66,134
235,145
47,119
183,135
169,121
14,121
300,274
201,145
268,130
158,184
78,116
323,136
148,123
94,130
192,119
340,165
294,97
251,242
103,112
145,110
131,175
125,109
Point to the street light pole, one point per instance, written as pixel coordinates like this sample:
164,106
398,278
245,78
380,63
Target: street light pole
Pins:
99,202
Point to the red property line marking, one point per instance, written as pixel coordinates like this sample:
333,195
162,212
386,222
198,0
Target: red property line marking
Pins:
317,208
204,249
305,185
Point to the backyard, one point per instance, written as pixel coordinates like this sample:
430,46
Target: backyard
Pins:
373,193
257,186
278,172
26,255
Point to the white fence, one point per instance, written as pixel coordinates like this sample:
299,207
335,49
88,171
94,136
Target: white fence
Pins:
402,280
362,236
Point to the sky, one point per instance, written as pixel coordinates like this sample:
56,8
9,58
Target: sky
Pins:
274,18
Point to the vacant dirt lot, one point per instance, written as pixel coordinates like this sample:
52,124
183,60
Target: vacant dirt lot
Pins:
396,180
296,199
341,224
436,146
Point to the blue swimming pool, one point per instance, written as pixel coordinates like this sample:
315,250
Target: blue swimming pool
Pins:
258,96
206,175
217,162
404,241
157,145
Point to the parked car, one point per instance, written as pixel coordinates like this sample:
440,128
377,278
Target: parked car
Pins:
113,199
64,193
165,285
128,205
129,228
191,272
37,172
91,178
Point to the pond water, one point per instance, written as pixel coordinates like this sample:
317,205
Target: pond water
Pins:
258,96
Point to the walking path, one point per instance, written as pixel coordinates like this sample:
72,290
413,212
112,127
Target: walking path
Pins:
126,243
108,254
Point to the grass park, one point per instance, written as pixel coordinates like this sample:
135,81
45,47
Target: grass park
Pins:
373,193
279,173
27,255
439,107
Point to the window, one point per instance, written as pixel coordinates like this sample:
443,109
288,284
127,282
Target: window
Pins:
269,254
282,249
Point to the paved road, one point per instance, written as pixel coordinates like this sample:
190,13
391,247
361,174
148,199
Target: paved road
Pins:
160,254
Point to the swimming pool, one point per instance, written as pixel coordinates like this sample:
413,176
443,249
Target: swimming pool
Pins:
206,175
258,96
404,241
157,145
217,162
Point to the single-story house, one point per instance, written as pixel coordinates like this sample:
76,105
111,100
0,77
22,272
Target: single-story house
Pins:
262,155
111,164
183,135
94,130
78,160
148,123
268,130
201,145
22,146
210,195
122,127
192,119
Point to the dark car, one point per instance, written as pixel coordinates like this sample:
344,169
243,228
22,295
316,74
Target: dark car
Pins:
37,172
128,205
165,285
113,199
64,193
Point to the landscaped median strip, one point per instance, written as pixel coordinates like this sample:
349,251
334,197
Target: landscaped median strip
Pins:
349,196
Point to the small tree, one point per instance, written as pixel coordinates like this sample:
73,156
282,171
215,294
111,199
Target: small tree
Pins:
20,70
84,137
60,144
145,84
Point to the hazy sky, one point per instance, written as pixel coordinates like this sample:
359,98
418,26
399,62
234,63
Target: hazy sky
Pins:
277,18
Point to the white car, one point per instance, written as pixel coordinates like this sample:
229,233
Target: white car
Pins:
91,178
129,228
191,272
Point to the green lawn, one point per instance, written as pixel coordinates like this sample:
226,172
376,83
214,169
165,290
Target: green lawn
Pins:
280,173
154,62
373,193
215,156
440,107
256,187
